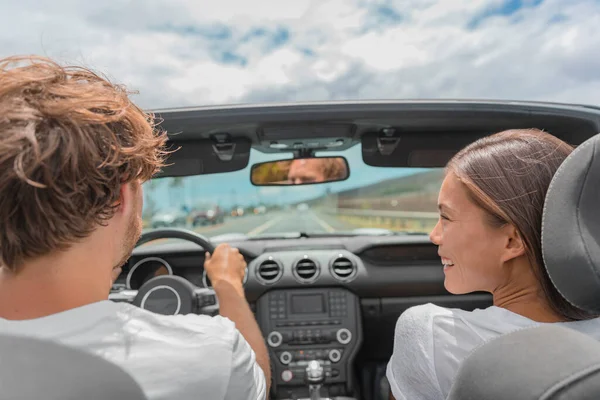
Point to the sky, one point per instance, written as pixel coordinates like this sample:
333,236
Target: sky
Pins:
199,52
177,53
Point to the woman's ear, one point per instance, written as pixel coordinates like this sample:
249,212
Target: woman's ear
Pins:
514,244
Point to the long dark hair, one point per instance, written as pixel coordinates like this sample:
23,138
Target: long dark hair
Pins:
508,174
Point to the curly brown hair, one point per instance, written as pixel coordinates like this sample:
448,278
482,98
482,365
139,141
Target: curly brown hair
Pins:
69,138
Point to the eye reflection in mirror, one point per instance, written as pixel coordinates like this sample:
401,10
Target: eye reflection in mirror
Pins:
300,171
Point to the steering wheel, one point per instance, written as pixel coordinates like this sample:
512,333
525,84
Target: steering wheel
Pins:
170,294
176,233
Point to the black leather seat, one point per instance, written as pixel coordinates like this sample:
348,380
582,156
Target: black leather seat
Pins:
551,362
37,369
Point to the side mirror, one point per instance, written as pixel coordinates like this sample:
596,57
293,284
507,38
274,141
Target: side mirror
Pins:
300,171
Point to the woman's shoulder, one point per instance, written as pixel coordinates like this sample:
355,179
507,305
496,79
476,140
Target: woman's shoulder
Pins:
425,314
484,323
418,321
435,339
431,310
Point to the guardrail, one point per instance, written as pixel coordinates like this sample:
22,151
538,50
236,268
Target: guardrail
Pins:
393,220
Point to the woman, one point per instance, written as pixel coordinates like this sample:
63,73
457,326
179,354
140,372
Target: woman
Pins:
489,239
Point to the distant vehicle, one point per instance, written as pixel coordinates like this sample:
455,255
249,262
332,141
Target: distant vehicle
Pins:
169,218
302,207
260,210
209,215
237,212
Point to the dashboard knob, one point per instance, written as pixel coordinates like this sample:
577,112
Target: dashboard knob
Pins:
335,355
274,339
287,375
344,336
285,357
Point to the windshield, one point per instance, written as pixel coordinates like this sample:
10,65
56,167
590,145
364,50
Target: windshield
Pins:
373,200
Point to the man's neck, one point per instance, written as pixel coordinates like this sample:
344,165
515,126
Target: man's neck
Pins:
52,285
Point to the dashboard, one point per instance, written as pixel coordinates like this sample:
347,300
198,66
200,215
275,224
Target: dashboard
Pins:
377,266
332,299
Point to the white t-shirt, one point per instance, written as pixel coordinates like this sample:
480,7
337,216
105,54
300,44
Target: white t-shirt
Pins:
171,357
430,343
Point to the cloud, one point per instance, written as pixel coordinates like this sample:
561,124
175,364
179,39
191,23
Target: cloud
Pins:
537,58
185,52
506,8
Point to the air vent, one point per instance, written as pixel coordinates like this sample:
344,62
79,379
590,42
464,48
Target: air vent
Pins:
306,270
343,268
269,271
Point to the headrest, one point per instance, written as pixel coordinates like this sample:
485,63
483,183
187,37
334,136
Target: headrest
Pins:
40,369
571,227
547,362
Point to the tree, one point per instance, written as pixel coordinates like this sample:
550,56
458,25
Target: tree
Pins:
175,186
149,200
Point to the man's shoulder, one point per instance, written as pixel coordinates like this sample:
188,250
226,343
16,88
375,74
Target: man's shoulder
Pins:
154,348
183,326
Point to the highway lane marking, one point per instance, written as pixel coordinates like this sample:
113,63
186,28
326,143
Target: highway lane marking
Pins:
324,225
202,229
229,223
265,226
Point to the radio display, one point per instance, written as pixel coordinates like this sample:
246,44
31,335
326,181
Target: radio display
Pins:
308,304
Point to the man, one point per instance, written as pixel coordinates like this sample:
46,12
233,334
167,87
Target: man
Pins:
74,151
315,170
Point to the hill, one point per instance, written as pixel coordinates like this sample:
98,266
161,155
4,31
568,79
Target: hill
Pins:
416,192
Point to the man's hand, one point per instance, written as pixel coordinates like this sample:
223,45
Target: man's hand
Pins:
226,267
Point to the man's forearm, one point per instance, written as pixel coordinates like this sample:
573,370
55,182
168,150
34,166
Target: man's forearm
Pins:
233,305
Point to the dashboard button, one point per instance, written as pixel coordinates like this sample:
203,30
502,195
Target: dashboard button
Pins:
287,375
274,339
344,336
285,357
335,355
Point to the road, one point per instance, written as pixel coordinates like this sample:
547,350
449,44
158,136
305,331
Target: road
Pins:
277,222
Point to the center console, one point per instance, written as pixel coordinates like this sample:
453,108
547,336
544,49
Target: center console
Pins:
304,325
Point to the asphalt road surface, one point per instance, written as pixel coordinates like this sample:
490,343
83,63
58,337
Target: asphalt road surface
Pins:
309,221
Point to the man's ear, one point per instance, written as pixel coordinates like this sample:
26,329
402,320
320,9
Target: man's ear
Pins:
126,196
514,244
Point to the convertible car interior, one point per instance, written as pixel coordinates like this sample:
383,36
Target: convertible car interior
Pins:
331,266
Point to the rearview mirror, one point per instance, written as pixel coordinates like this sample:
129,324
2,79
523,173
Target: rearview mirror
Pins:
300,171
